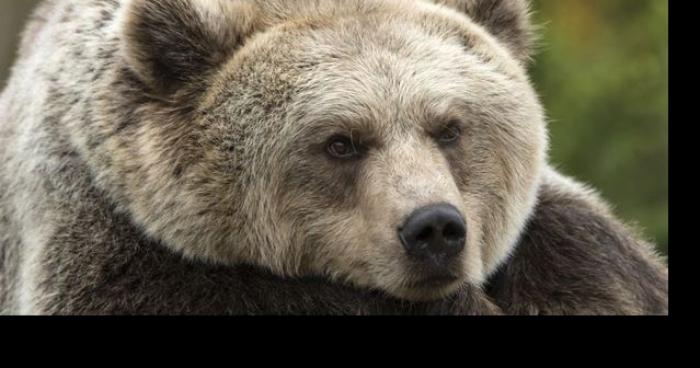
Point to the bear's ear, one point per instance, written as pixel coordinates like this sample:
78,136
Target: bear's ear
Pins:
508,20
170,43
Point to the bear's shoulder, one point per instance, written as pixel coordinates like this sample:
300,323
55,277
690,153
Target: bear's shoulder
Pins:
575,257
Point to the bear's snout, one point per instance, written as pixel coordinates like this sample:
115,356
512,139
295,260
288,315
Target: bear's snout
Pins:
434,235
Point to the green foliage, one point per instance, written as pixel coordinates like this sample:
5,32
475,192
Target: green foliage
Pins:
602,72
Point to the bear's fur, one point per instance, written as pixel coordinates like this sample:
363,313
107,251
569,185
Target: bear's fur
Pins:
576,258
170,157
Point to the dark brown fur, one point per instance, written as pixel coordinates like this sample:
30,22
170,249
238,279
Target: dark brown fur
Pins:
573,259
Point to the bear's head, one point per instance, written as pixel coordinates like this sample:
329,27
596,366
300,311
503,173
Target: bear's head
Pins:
389,144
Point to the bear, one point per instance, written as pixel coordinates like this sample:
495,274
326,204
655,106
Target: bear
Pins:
296,157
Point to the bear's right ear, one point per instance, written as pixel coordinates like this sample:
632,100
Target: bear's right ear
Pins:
170,43
508,20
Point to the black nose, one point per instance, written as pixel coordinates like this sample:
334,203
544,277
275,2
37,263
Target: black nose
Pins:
435,232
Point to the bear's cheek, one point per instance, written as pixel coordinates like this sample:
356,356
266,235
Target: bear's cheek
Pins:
497,176
339,224
351,247
317,198
325,186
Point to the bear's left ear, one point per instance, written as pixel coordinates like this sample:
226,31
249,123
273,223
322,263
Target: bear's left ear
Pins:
170,43
508,20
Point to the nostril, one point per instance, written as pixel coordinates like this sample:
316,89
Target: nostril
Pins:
425,234
453,231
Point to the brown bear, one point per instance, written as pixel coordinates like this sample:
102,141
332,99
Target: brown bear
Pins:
256,157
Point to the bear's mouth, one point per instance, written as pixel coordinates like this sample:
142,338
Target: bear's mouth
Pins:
433,276
436,281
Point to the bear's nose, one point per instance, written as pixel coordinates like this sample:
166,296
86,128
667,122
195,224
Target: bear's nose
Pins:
435,232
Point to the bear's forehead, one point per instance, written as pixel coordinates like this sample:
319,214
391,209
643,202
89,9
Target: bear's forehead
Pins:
398,75
372,68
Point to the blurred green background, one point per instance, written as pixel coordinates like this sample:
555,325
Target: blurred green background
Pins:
602,72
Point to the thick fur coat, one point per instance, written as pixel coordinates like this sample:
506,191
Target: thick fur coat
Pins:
172,157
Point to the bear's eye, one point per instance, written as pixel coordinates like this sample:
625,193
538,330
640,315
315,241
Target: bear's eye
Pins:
450,134
342,147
